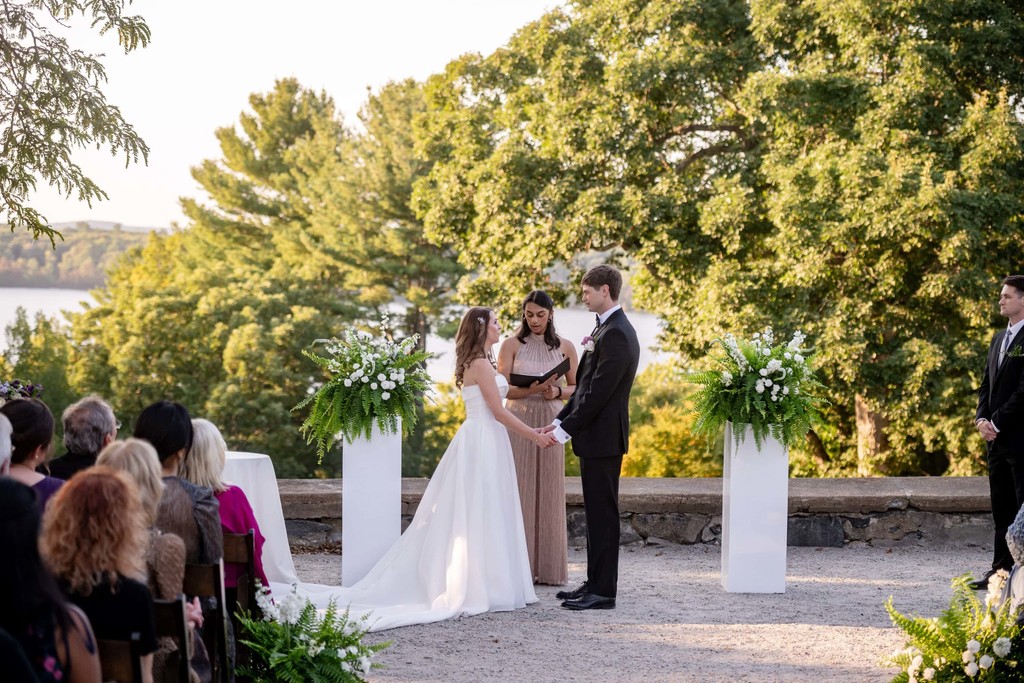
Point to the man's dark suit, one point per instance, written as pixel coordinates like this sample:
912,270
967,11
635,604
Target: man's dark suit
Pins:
597,418
1001,401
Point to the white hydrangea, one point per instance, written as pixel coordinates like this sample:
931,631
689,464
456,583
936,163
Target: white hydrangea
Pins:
973,646
986,661
971,669
1002,646
726,378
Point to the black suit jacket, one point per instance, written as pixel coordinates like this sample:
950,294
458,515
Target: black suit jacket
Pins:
596,416
1001,396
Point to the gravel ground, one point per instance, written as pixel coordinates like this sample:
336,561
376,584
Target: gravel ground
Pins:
674,622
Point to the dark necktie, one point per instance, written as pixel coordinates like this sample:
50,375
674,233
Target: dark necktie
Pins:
597,323
1007,339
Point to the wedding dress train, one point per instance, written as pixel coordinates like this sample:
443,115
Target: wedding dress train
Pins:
464,552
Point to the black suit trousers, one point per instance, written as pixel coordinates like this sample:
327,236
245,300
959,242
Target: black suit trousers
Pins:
1006,487
600,478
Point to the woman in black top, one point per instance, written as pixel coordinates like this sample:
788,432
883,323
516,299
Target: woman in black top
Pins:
94,538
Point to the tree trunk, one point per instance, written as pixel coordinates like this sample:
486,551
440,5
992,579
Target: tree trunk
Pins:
872,442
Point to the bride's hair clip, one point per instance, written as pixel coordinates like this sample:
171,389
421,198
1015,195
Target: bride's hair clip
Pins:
482,320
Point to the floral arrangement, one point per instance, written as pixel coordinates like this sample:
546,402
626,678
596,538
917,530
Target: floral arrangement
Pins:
970,641
372,380
16,388
768,385
292,642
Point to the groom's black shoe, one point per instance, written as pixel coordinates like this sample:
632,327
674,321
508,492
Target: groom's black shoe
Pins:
982,583
589,601
573,594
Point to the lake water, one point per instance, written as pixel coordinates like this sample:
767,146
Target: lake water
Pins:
571,323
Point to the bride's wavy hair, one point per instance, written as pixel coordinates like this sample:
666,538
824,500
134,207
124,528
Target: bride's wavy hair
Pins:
542,299
471,340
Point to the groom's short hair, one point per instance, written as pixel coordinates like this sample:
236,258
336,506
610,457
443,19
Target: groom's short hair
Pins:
605,275
1015,281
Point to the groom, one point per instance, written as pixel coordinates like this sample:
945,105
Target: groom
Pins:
596,418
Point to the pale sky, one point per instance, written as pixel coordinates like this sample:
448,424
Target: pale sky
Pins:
207,56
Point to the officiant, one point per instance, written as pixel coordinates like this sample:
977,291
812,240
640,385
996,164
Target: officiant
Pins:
541,369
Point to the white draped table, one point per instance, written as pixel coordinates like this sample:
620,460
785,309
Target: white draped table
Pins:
254,474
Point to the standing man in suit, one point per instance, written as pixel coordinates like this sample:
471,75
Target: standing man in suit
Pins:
1000,419
596,418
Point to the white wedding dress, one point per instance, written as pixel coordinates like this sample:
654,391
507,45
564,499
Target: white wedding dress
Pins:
464,552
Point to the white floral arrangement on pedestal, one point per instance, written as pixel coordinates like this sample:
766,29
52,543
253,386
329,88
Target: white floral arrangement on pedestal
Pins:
970,641
372,380
293,641
767,385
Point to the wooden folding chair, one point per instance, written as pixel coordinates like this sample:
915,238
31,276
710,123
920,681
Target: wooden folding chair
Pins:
172,622
207,582
121,660
240,549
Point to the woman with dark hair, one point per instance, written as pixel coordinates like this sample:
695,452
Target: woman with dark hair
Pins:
186,510
55,637
534,350
94,539
31,441
464,552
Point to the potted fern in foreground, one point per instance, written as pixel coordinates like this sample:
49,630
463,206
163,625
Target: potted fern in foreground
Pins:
373,388
970,641
764,396
293,641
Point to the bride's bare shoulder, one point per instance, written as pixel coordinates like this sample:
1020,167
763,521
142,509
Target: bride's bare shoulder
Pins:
477,370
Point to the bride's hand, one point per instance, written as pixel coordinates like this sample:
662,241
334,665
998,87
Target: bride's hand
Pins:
544,440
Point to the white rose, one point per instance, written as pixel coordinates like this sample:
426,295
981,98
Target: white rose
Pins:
763,372
973,646
759,387
929,674
385,396
986,661
1001,647
798,358
373,385
365,379
971,669
348,382
381,377
967,656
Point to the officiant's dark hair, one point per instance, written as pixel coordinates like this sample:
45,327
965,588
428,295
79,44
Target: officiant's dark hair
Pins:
471,340
604,274
542,299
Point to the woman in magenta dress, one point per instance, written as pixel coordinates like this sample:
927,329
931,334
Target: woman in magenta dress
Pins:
204,466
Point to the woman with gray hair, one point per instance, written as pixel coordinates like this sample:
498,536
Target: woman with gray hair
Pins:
89,425
5,445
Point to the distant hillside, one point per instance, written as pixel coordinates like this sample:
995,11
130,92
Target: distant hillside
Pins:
79,262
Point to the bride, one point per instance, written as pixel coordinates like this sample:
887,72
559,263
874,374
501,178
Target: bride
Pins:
465,551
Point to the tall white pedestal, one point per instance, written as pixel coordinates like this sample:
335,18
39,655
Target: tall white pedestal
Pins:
371,504
755,507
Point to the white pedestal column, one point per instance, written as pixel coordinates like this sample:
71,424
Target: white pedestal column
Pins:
755,508
371,503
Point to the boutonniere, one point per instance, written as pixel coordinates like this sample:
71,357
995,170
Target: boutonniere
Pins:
1015,352
588,343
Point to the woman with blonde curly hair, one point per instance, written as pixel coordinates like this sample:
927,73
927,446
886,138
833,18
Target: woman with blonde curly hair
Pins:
94,540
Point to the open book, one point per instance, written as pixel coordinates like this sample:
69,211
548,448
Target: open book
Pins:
526,380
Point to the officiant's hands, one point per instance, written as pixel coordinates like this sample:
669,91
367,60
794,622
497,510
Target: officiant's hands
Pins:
544,387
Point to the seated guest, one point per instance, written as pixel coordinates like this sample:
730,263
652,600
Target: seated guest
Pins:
89,425
31,439
165,556
94,540
205,467
54,636
186,510
5,445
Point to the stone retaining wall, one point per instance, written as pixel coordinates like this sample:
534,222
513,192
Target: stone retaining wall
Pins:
822,512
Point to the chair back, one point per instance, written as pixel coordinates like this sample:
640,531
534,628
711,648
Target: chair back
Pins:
206,581
240,549
121,660
172,622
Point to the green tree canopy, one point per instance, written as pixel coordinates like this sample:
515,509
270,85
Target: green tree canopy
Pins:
51,103
853,170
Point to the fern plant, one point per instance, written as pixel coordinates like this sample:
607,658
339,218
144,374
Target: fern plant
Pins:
970,641
769,386
293,643
372,380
